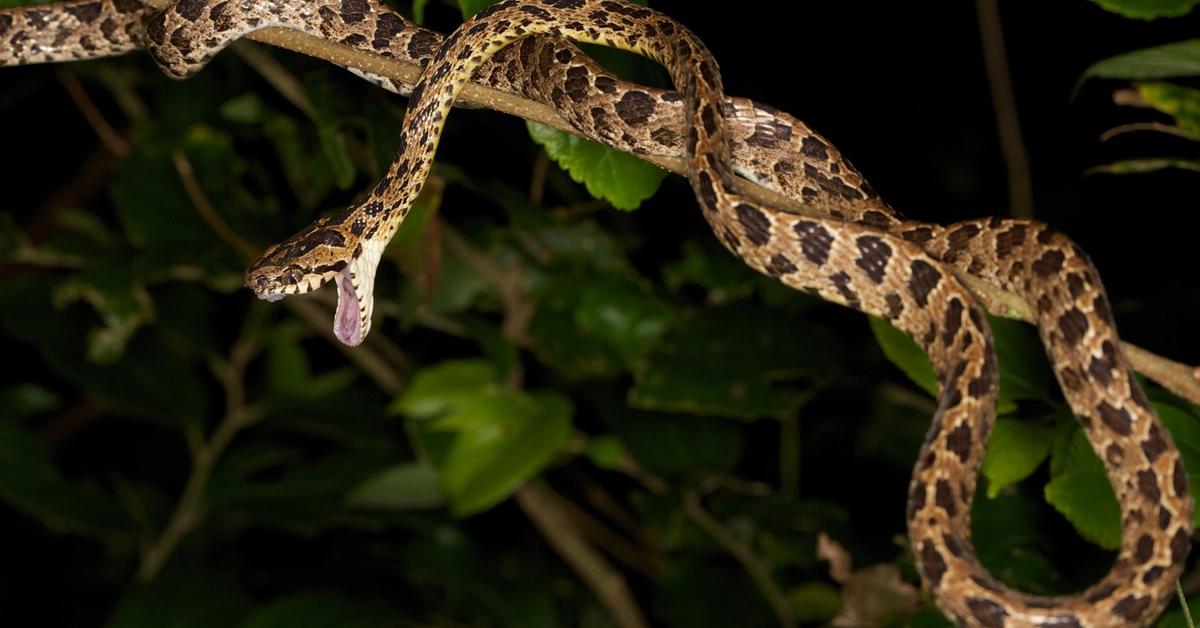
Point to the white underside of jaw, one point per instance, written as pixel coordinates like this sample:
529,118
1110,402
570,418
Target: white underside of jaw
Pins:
356,295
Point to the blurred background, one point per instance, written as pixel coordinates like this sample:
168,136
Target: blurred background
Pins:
556,392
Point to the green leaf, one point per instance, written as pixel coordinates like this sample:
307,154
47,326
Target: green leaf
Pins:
737,361
418,8
12,238
22,400
607,452
1148,9
31,483
563,341
1015,450
406,486
1177,618
148,379
157,215
1008,532
1023,370
1081,492
115,290
434,389
625,319
1166,61
321,610
458,288
302,496
906,354
471,7
301,158
578,245
287,367
619,178
498,437
330,108
245,108
815,602
1142,166
676,445
712,268
1181,103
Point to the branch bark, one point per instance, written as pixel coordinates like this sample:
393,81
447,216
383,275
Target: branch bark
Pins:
1181,379
190,508
543,509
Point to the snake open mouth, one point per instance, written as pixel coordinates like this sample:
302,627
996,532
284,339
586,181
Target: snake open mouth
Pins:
347,322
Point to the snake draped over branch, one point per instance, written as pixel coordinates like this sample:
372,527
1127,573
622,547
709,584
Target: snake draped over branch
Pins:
862,255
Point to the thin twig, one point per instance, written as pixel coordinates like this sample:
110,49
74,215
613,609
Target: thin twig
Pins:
109,136
1158,127
190,509
758,571
1187,612
385,375
187,176
649,563
544,509
517,303
278,76
789,456
1008,124
537,180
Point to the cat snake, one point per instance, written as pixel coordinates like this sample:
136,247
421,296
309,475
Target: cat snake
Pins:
864,256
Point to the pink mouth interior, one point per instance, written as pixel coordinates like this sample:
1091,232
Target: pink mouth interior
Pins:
346,321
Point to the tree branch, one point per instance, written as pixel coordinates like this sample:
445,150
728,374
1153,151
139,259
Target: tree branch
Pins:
1181,379
190,509
543,509
1178,378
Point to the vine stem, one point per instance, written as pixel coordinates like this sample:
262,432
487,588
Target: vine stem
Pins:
1187,612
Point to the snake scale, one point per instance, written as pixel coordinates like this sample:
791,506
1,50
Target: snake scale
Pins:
864,256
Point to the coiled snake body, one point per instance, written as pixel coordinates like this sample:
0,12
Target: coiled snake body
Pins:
865,258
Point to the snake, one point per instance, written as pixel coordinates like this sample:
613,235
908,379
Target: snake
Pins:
863,255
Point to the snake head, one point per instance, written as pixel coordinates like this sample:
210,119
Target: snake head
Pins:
308,260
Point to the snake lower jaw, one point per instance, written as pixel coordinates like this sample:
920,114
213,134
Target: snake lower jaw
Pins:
352,320
355,299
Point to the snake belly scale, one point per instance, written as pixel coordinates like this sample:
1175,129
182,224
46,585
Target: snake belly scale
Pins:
869,259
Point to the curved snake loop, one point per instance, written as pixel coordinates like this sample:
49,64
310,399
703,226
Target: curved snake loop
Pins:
869,260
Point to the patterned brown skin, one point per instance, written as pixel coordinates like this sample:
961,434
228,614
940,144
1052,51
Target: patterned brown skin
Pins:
874,263
878,265
769,146
71,31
